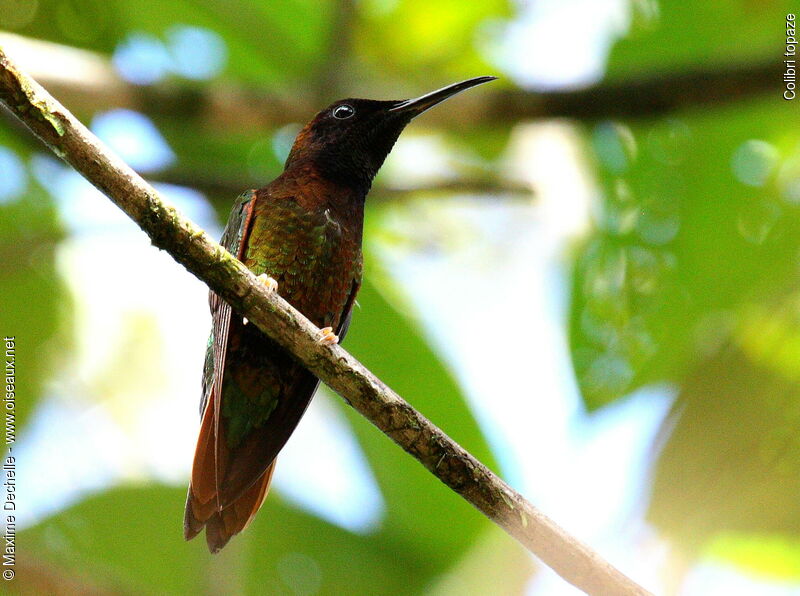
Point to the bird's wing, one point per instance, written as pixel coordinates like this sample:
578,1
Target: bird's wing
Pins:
234,240
266,392
260,446
250,411
347,313
206,465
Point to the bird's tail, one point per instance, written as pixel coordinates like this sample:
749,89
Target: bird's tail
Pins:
202,504
222,524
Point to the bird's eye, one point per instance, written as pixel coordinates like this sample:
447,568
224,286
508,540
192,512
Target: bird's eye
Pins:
343,112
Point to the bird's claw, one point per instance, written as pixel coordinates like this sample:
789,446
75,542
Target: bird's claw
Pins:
270,282
328,337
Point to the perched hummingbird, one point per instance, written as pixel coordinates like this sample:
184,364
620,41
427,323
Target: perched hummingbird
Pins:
302,235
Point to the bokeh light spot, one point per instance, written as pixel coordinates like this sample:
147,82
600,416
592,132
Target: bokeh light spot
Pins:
13,176
789,180
646,14
300,573
619,214
638,340
644,269
619,219
670,145
657,225
756,220
142,59
47,171
197,53
605,278
615,146
283,139
378,8
609,374
754,162
135,138
600,330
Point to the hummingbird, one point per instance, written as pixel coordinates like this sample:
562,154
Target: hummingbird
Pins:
301,235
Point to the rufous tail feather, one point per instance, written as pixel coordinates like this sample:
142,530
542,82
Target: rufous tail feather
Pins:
222,524
202,505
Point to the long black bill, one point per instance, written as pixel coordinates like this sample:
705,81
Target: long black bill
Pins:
416,106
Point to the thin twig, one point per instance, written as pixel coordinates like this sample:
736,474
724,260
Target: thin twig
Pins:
648,95
206,259
219,186
227,186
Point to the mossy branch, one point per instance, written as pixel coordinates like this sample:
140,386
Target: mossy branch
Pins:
195,250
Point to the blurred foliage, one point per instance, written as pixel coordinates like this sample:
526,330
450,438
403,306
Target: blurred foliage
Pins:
412,38
426,530
264,42
385,342
107,541
670,34
680,200
728,474
688,278
300,561
36,309
715,473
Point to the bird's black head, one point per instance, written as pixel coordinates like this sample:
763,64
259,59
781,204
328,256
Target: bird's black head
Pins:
348,141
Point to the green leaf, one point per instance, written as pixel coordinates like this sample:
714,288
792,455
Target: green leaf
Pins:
769,555
279,43
670,35
416,37
730,461
126,539
36,309
129,540
680,237
431,522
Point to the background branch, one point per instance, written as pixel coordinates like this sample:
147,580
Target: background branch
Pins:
219,187
233,109
206,259
213,187
646,96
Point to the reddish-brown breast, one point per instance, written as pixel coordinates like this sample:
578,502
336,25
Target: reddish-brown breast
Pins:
306,233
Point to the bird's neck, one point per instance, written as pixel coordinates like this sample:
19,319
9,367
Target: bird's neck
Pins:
317,191
343,168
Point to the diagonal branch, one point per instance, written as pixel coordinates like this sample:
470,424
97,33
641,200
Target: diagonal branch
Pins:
195,250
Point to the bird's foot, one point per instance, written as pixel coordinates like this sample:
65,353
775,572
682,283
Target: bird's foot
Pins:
328,337
272,286
270,282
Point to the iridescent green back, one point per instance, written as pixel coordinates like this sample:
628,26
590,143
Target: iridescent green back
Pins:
314,252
